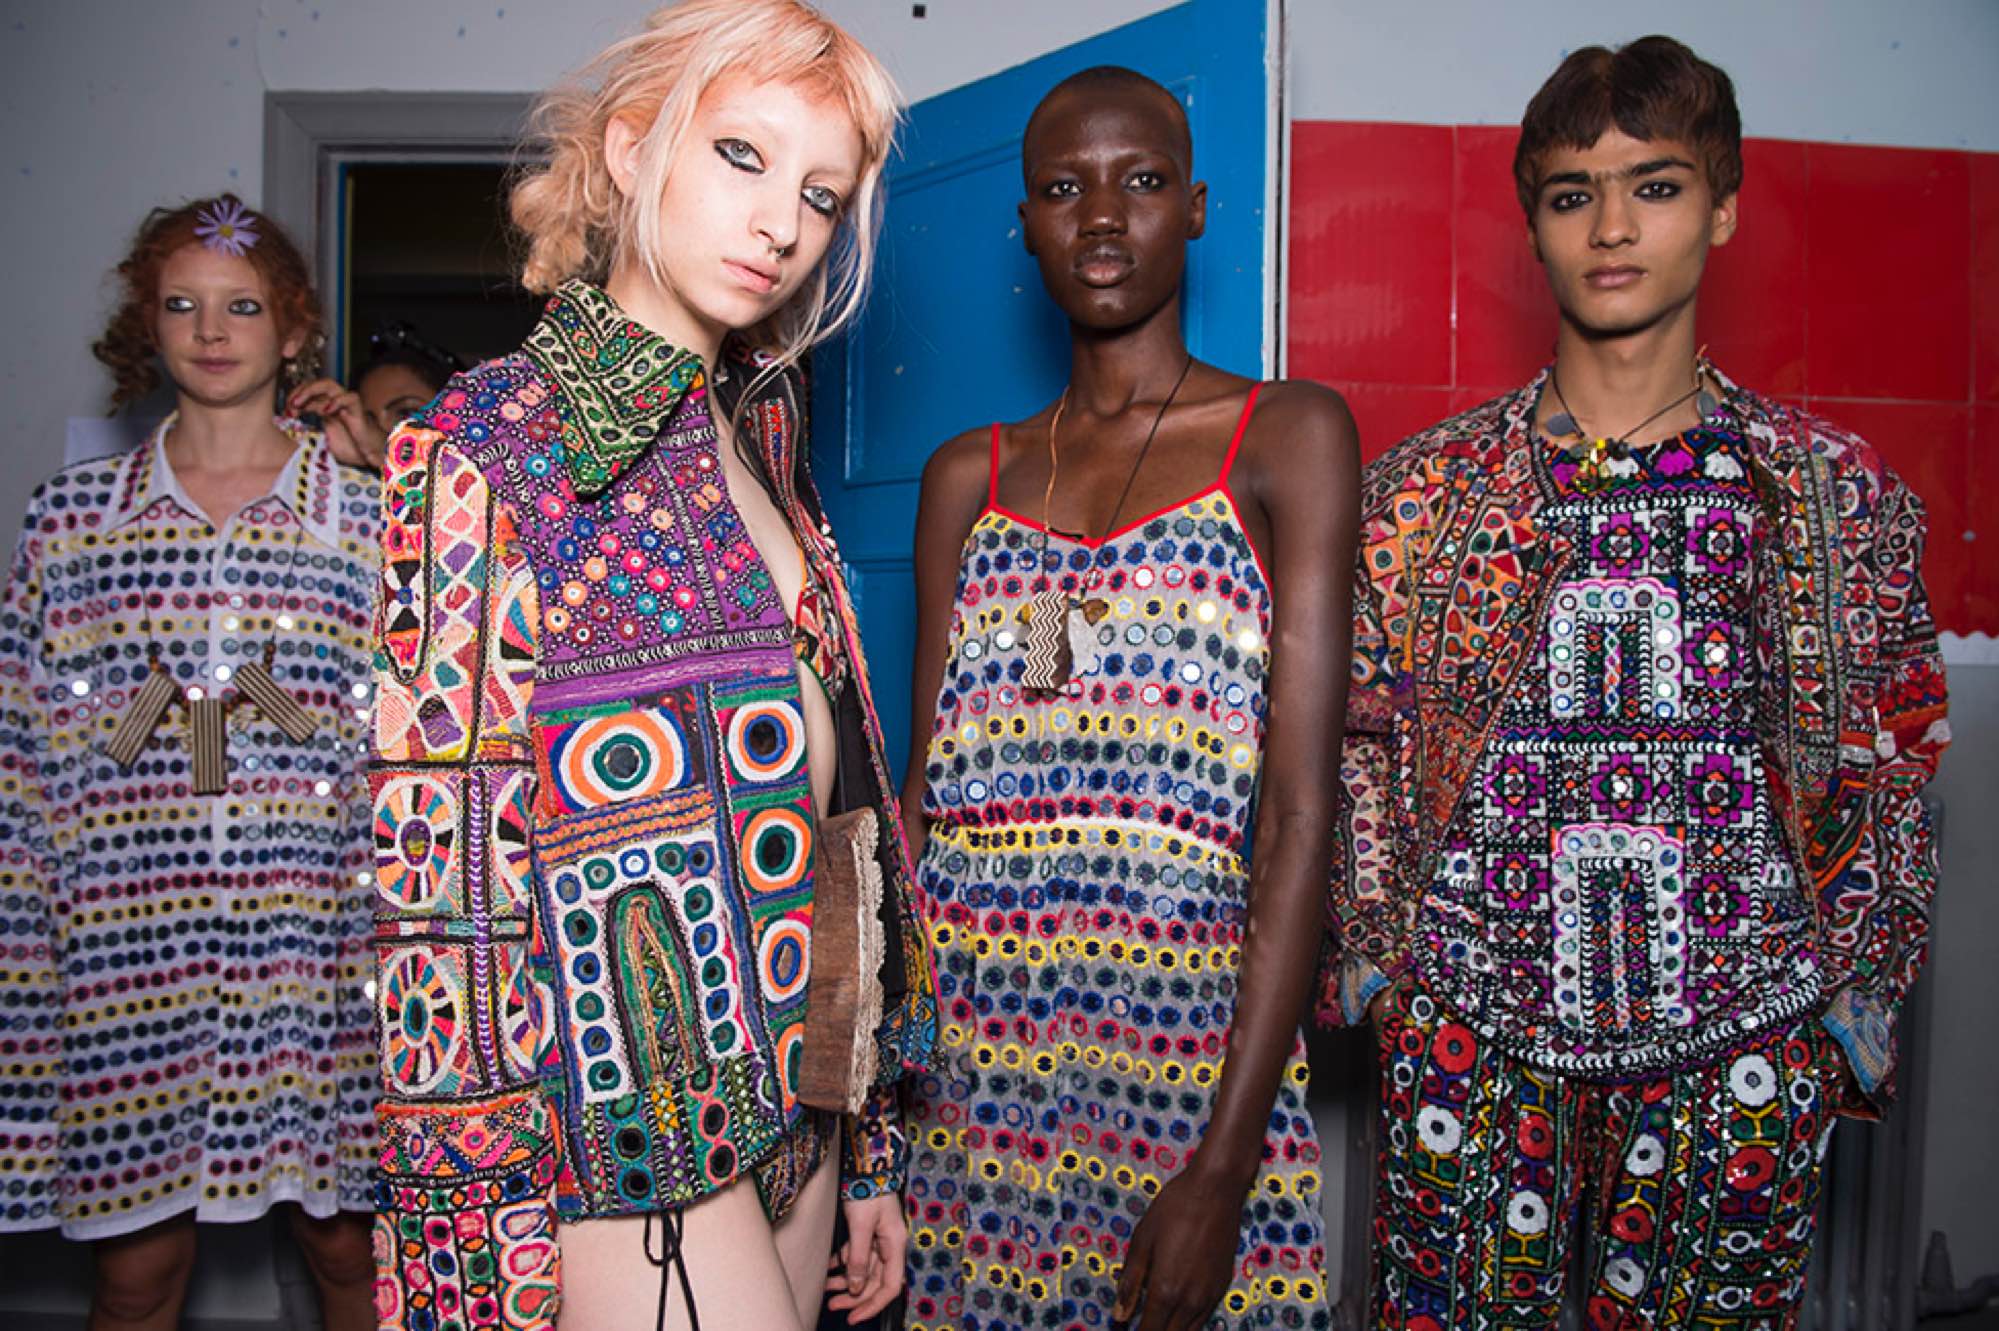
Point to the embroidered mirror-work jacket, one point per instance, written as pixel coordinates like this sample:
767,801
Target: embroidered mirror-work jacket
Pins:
1453,577
593,818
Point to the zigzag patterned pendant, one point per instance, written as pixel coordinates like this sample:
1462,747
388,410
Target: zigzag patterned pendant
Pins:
1050,659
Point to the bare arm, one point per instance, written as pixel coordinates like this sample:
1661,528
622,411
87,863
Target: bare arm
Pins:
954,492
1300,467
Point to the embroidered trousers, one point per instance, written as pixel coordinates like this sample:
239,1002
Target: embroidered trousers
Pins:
1699,1187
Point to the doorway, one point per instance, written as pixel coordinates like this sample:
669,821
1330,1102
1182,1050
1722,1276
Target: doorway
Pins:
425,246
344,172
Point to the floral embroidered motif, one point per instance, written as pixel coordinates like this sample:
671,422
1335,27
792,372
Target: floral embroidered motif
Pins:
1706,1179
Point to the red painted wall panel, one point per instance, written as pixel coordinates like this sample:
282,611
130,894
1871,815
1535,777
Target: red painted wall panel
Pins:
1974,545
1506,322
1985,277
1888,235
1863,283
1751,313
1371,267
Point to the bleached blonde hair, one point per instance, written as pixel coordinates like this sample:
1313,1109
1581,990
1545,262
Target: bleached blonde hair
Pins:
576,222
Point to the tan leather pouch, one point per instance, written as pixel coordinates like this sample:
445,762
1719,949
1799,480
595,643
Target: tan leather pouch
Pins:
843,997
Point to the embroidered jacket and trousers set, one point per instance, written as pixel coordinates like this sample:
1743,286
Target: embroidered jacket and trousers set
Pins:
1634,829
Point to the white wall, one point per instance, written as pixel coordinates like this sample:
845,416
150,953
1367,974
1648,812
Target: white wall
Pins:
108,107
1917,74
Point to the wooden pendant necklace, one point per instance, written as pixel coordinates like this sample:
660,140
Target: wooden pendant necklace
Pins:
1057,621
1600,458
205,718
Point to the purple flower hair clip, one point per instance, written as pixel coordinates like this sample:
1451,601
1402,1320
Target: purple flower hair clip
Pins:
227,227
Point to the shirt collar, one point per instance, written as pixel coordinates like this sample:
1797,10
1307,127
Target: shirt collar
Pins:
623,382
306,485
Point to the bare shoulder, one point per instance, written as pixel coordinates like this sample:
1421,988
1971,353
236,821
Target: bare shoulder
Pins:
960,460
1300,428
956,473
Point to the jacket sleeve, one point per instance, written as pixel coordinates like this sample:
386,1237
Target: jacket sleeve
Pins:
874,1158
1367,907
465,1218
31,1052
1879,902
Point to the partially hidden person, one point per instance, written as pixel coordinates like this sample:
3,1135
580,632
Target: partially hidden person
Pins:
1132,620
403,372
1637,871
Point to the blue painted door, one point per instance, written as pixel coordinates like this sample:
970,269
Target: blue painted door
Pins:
958,331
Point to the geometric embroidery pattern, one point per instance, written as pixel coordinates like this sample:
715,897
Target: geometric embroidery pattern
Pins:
1617,897
1469,530
593,822
1615,646
1619,908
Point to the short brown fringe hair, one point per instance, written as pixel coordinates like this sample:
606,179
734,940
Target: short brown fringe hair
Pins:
575,222
128,346
1655,88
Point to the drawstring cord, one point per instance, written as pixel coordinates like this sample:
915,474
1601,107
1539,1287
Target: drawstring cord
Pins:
672,1264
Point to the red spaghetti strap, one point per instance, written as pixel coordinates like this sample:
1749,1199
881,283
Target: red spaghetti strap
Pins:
1240,427
992,471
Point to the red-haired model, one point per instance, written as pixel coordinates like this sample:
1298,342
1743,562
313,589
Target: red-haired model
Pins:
184,681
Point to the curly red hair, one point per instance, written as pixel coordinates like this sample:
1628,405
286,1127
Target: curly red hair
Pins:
128,346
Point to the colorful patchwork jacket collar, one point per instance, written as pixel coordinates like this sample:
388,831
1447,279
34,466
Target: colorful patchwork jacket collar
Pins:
1453,574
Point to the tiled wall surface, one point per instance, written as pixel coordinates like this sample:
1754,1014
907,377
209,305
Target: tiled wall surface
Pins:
1863,282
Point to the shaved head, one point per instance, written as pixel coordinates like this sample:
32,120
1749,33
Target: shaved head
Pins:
1115,84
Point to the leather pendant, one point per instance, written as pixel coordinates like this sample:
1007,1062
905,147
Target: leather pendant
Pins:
141,718
1050,659
1083,616
278,706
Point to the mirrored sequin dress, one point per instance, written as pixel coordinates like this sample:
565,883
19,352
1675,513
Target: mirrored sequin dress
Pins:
1086,897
